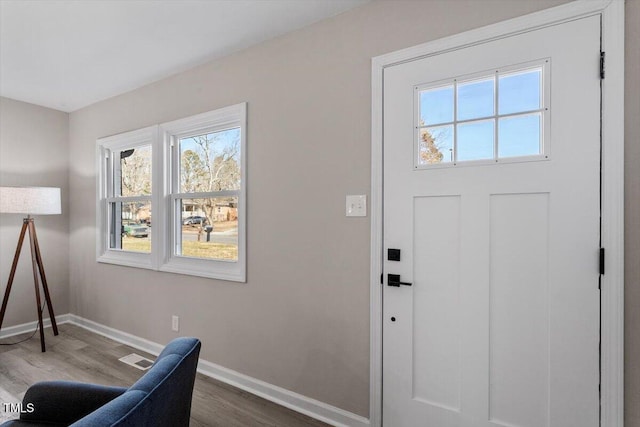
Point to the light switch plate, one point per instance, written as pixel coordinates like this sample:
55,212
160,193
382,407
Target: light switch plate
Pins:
357,205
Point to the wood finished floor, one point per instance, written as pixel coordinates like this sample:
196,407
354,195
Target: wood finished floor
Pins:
79,355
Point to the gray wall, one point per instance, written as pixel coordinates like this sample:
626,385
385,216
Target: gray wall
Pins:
34,151
301,321
632,213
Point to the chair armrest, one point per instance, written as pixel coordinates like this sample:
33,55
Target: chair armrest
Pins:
64,401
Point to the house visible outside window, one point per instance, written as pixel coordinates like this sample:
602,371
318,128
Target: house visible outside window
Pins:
172,198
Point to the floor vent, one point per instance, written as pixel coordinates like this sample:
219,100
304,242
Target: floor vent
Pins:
137,361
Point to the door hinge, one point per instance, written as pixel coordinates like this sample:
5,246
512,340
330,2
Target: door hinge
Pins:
601,65
601,260
381,281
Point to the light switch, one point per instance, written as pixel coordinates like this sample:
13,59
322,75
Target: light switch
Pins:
357,205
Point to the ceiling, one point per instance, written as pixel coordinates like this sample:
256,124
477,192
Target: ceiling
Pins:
67,54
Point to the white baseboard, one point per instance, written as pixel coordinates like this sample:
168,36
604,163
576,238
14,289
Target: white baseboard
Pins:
117,335
297,402
31,326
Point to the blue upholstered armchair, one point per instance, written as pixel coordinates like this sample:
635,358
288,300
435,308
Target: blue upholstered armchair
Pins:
161,397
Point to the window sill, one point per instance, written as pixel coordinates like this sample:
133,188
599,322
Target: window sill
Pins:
127,259
223,270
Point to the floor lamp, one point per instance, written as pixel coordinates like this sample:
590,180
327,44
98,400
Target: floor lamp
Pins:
31,201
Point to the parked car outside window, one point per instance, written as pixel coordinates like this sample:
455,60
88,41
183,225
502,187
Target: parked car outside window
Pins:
193,220
134,229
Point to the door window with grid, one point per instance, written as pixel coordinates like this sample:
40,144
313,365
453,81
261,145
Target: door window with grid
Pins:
489,117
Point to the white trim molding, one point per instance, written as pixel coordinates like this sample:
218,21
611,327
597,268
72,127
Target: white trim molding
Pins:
116,335
612,234
313,408
24,328
289,399
612,293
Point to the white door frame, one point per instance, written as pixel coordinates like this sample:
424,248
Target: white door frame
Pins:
612,284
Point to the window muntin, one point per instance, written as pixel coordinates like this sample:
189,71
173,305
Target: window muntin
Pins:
488,117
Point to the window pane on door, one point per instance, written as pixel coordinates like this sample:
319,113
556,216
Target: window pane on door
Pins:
436,106
135,172
208,228
475,140
436,145
210,162
519,136
475,99
498,115
130,226
519,92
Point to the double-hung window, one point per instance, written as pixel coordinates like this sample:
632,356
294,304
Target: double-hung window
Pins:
190,173
125,198
206,193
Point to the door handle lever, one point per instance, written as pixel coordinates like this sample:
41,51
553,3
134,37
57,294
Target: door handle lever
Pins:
394,280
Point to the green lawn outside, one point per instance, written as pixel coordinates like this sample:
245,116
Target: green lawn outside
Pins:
208,250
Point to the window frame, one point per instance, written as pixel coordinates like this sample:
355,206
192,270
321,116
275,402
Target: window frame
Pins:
106,194
170,133
165,175
543,64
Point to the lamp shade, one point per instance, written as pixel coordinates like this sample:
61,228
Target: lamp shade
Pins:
30,200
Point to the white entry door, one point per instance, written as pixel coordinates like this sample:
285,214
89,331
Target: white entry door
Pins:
492,197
